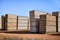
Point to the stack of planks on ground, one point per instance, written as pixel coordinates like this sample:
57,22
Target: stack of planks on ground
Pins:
34,20
0,24
47,24
3,22
23,23
11,22
57,14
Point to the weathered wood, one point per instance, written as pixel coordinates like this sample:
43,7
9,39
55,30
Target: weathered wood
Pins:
34,19
47,23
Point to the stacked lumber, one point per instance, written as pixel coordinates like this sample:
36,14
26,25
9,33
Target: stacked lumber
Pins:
47,24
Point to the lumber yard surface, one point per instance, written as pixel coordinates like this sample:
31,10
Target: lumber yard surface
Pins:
29,36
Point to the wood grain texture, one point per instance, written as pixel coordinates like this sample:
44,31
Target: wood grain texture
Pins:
47,23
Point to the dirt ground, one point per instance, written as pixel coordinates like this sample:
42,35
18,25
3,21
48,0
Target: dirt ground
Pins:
13,36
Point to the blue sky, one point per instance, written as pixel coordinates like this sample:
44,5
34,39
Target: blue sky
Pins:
22,7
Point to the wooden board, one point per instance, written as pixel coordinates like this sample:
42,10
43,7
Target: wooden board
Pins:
12,20
11,16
